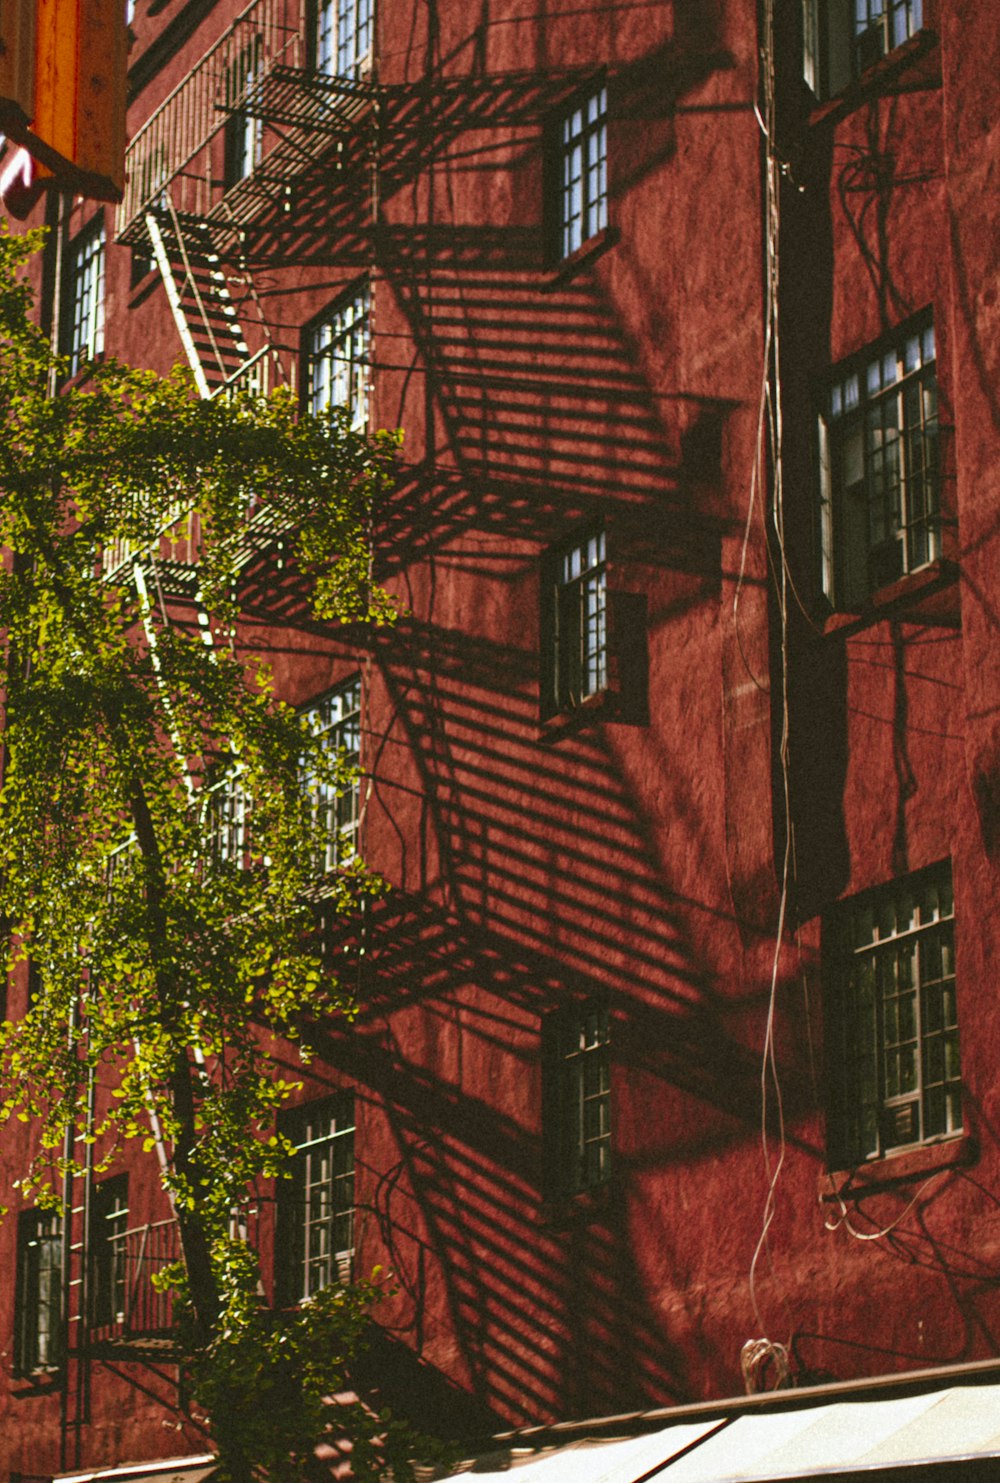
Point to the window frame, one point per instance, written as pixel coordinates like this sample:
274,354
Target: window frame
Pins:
886,1039
226,819
342,37
109,1253
576,1091
836,52
243,133
83,291
39,1349
348,388
576,609
341,806
578,149
299,1270
880,464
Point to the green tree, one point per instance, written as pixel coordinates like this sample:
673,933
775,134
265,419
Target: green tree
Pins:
159,962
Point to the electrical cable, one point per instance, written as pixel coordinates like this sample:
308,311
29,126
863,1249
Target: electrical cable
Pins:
755,1356
769,440
844,1219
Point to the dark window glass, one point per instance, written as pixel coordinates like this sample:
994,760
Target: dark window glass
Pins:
39,1291
316,1204
577,1111
109,1257
577,637
880,482
894,1063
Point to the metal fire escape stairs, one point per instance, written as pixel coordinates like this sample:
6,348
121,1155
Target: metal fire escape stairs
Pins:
201,302
75,1299
174,208
224,154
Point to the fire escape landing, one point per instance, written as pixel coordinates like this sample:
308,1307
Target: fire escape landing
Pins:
224,152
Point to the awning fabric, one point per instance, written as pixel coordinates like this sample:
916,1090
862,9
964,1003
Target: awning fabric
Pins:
596,1462
169,1470
943,1426
849,1436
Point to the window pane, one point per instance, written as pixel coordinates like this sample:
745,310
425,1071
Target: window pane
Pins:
898,1077
883,455
583,173
579,1108
83,337
317,1202
337,356
335,805
580,640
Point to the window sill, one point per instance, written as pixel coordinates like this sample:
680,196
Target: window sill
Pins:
585,254
928,595
599,706
43,1381
914,64
559,1211
903,1167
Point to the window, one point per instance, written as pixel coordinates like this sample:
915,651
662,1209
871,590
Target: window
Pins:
576,623
337,722
244,130
891,991
583,171
337,351
109,1226
226,816
83,301
577,1099
342,37
39,1291
879,481
316,1204
844,37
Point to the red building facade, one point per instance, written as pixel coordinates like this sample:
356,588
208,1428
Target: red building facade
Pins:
682,759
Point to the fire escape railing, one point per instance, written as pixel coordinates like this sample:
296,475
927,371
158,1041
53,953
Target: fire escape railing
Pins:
176,522
258,71
131,1307
268,31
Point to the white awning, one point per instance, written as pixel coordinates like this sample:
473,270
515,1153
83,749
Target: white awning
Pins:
848,1436
169,1470
594,1462
787,1442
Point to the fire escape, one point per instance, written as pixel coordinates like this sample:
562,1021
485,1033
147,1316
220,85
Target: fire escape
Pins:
220,159
223,156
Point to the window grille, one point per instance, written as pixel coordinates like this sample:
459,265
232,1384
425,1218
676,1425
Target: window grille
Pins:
83,336
337,360
336,720
583,152
880,477
896,1079
39,1291
316,1204
577,1050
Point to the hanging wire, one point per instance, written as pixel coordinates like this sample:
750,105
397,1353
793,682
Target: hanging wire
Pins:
843,1219
755,1356
769,442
